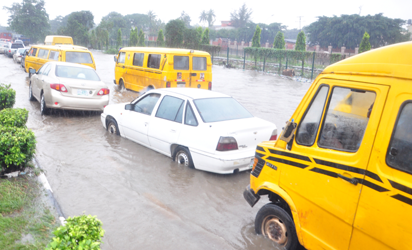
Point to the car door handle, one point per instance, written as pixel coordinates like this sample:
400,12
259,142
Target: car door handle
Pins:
353,181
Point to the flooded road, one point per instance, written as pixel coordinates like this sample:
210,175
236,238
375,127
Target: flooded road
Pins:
144,199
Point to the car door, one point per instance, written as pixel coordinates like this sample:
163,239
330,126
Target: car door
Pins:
324,168
37,81
120,67
136,122
166,126
198,72
384,215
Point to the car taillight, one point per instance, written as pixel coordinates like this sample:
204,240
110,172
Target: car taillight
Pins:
9,51
103,92
274,135
209,87
226,144
58,87
255,162
167,84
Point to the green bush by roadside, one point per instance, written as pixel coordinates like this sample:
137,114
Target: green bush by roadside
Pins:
7,96
112,51
17,146
16,117
79,232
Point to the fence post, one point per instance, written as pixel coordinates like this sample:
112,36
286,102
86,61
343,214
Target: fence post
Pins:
227,63
313,65
286,60
244,59
264,63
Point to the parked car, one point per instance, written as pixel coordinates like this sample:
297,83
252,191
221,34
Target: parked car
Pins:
18,55
23,59
12,47
61,85
198,128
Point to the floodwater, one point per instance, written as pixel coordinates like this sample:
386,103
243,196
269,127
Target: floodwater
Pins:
144,199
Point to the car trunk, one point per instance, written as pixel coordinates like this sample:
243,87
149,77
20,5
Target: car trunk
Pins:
81,88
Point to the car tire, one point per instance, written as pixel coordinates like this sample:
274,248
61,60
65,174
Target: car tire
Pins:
43,108
276,224
29,73
184,157
31,97
121,85
112,127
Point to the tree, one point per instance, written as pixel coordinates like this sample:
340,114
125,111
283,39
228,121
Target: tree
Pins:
106,36
301,42
77,26
134,39
93,39
365,44
29,18
174,33
241,17
113,22
205,37
203,17
119,39
160,39
211,17
191,38
141,38
279,42
185,18
256,37
152,17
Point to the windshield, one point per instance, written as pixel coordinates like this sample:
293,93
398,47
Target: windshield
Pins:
21,51
17,45
76,73
78,57
220,109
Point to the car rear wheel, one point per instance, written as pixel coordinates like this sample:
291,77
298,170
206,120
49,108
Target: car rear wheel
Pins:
276,224
112,127
121,85
183,157
31,97
43,108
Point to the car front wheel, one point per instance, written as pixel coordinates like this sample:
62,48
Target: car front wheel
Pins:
183,157
43,108
112,127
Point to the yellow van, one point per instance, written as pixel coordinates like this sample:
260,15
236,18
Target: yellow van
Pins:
40,54
138,68
340,174
58,40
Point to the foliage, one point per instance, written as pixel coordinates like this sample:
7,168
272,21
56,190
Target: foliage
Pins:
301,42
210,17
78,24
347,30
79,232
134,38
205,37
112,23
174,33
335,57
17,146
141,38
119,40
186,19
93,39
14,117
191,38
152,18
29,19
160,39
241,17
279,42
256,37
365,44
112,51
7,96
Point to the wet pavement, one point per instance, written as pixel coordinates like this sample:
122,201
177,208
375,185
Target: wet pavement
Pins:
144,199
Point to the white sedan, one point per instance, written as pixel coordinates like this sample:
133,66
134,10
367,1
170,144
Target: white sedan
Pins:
198,128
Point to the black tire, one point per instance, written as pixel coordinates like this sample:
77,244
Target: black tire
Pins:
112,127
184,157
29,74
121,85
276,224
43,108
31,97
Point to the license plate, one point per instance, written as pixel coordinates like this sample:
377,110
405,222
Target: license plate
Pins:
181,84
82,92
251,163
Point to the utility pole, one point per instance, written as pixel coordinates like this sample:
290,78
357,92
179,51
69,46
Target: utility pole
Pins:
300,21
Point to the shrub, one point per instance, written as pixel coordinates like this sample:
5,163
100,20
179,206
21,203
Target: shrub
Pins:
17,146
79,232
13,117
7,96
112,51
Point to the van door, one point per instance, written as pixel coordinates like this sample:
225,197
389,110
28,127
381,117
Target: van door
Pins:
325,169
137,72
119,69
198,73
384,216
181,70
41,58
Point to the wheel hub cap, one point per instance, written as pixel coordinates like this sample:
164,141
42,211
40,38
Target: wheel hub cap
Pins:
275,230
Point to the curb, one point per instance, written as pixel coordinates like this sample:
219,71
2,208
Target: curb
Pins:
43,180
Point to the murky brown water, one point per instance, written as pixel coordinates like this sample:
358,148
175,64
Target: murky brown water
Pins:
144,199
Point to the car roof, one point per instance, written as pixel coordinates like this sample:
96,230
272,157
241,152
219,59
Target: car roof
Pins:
192,93
163,50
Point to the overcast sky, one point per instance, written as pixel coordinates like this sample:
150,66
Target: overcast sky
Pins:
268,11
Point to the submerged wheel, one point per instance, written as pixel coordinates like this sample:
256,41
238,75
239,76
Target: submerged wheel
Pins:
276,224
31,97
183,157
112,127
121,85
43,108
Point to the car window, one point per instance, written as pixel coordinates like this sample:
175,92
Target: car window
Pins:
308,127
122,57
46,70
54,55
181,62
43,53
153,61
399,154
199,63
40,72
33,52
147,104
138,59
346,119
77,73
190,118
220,109
78,57
170,109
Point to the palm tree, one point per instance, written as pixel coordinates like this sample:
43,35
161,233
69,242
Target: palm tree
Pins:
211,17
152,18
203,16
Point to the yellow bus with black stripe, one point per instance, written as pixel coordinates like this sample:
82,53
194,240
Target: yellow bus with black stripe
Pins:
340,174
141,68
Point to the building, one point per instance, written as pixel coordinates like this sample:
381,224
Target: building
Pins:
224,25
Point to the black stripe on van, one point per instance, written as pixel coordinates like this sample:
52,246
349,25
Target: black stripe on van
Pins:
299,157
402,198
260,149
259,155
401,187
292,163
349,169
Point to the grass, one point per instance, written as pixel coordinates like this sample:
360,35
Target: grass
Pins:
25,221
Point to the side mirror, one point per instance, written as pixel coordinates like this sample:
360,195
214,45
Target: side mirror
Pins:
129,107
115,59
32,71
27,53
289,131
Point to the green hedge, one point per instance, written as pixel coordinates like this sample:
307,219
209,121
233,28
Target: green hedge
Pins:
79,232
13,117
277,53
7,96
17,146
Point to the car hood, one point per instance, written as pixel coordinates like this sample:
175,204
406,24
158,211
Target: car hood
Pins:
114,109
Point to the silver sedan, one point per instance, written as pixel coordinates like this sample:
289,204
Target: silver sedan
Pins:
61,85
